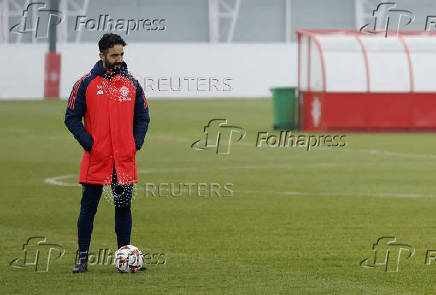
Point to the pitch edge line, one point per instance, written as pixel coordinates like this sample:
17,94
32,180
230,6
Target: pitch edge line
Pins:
58,181
353,194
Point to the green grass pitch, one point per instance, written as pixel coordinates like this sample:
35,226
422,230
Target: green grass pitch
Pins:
298,223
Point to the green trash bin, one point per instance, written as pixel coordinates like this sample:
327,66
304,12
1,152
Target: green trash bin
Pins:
285,108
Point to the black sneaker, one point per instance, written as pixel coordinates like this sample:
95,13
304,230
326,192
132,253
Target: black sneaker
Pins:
82,266
142,268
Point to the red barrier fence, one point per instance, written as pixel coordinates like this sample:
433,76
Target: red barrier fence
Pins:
368,112
52,75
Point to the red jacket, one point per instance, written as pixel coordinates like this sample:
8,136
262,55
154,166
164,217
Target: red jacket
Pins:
116,120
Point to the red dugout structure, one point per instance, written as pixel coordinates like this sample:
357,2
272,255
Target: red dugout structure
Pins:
353,81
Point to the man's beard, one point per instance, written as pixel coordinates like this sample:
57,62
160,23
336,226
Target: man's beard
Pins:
111,66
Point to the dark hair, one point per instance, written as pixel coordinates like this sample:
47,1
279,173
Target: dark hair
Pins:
109,40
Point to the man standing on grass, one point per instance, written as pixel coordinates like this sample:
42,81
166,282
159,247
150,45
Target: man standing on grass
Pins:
116,119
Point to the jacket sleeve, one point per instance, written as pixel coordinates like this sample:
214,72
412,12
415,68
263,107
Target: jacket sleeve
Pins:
73,116
141,117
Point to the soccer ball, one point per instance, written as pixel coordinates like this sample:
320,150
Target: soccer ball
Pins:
128,259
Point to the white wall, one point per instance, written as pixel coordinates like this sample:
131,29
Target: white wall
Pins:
22,74
251,69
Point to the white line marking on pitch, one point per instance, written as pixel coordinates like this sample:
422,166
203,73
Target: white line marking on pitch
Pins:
288,166
399,154
356,194
57,180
